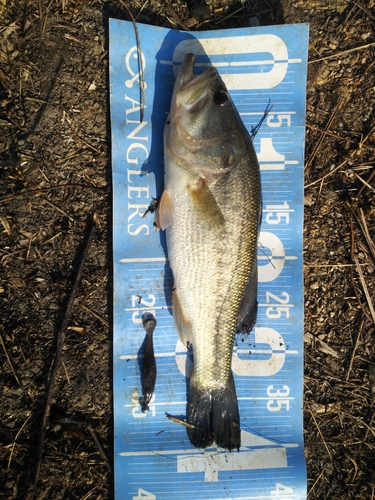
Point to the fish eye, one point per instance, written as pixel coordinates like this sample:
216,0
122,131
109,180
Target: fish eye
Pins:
220,97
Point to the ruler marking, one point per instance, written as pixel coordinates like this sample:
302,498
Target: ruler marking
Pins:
144,259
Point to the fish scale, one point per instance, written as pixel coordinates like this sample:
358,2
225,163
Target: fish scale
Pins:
210,209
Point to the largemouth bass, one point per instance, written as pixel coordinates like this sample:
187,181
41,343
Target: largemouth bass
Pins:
210,208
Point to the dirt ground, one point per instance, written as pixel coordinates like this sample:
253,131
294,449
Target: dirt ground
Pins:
55,176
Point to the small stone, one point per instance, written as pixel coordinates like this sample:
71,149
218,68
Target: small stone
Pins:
253,22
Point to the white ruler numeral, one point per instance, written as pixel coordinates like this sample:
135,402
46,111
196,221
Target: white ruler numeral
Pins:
261,453
261,367
143,494
280,491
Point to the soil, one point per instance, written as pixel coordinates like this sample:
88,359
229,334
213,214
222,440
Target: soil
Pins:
55,177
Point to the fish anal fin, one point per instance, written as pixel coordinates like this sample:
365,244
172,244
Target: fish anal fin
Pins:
205,203
183,326
247,314
164,211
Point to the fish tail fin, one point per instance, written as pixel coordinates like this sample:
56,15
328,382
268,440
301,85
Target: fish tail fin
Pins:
214,414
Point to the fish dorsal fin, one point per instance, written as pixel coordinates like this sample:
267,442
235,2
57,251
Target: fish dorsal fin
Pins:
248,308
164,211
205,203
183,326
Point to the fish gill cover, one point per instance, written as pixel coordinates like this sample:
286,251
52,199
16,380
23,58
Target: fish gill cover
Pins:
154,458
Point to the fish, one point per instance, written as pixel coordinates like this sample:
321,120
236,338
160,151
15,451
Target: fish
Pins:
210,209
149,370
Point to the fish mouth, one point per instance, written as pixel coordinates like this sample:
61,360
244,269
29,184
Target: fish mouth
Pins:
191,90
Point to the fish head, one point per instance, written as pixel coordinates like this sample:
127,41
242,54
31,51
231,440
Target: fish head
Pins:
201,103
203,120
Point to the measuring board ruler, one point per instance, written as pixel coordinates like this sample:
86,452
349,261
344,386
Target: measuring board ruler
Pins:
153,455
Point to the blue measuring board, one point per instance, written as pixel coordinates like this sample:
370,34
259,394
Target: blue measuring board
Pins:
153,455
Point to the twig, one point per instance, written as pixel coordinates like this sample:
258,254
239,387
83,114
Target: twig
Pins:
369,427
140,10
331,265
41,17
50,188
56,207
324,176
320,432
368,13
365,289
60,344
352,478
323,134
365,183
354,349
80,139
180,421
98,444
230,15
139,50
66,372
316,482
15,439
352,272
175,17
369,178
85,497
9,361
367,137
321,344
360,216
320,191
73,421
344,52
339,137
95,314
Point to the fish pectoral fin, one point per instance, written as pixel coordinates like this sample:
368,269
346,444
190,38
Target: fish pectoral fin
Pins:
205,203
183,326
164,211
247,315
